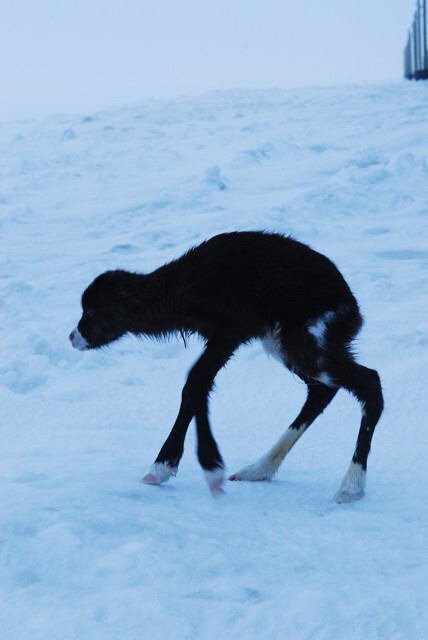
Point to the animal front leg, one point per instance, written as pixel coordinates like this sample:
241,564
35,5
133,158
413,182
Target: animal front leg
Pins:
167,461
200,380
218,350
208,453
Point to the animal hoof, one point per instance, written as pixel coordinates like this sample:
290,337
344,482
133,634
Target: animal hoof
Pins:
215,480
343,497
259,471
150,479
353,484
234,477
159,472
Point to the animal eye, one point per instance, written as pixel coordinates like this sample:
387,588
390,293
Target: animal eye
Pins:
90,312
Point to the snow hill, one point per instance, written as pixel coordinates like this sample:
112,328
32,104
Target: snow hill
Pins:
88,553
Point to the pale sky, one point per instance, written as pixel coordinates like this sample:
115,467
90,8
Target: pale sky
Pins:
75,56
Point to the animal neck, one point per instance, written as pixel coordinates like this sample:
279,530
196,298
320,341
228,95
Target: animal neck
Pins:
159,309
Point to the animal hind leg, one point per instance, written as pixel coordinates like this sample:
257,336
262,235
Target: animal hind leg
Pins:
365,385
319,396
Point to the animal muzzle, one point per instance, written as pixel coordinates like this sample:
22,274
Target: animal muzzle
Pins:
77,340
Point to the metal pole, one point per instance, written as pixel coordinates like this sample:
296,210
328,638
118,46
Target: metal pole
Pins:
406,60
425,37
411,52
415,48
418,39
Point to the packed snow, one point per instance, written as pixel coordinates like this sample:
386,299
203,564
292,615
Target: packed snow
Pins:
88,552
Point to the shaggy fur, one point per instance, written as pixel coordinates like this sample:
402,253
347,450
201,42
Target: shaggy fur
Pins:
231,289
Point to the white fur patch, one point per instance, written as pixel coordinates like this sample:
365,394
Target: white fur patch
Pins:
325,379
318,329
353,484
263,469
268,465
272,344
78,341
215,480
159,472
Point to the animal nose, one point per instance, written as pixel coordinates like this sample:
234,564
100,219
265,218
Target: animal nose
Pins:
72,336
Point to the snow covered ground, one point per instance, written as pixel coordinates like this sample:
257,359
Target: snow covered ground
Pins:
88,553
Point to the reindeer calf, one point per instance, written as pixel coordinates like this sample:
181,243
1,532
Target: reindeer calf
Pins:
231,289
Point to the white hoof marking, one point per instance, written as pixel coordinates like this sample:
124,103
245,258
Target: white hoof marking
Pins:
263,469
353,485
215,480
159,472
268,465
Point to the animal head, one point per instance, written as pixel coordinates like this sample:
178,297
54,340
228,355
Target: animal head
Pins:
106,308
